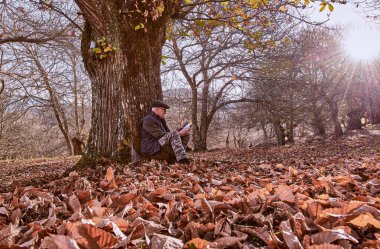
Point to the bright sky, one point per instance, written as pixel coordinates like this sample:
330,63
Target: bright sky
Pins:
362,41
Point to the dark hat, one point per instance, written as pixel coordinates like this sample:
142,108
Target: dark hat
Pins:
159,103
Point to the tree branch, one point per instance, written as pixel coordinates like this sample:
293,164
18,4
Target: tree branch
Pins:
2,86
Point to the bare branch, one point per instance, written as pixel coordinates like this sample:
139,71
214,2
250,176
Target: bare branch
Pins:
2,86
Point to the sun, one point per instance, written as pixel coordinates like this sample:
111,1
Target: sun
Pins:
362,44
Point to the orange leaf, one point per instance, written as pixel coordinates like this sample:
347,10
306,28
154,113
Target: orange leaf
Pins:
365,219
109,174
198,243
93,237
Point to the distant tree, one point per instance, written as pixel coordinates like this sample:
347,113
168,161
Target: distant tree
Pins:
326,70
277,83
210,67
25,22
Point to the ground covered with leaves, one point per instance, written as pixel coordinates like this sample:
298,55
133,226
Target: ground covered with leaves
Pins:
323,193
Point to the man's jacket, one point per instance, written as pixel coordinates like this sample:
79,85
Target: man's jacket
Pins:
153,128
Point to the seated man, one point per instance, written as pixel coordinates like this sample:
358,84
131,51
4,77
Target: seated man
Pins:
158,142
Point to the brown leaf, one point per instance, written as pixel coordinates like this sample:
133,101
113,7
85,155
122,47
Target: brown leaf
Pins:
261,233
225,242
160,241
290,238
8,235
15,216
93,237
314,209
325,246
64,242
150,226
285,193
36,192
206,209
331,236
89,236
4,211
74,204
292,171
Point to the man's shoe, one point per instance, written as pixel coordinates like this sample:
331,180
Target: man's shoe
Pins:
184,161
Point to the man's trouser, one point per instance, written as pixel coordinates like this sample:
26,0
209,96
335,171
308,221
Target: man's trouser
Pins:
172,147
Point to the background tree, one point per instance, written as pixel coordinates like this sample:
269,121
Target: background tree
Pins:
45,81
214,62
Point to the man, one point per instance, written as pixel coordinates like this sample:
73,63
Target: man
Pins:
158,142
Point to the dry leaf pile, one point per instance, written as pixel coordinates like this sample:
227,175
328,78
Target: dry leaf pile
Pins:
326,198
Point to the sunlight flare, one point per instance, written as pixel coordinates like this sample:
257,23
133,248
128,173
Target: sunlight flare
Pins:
362,44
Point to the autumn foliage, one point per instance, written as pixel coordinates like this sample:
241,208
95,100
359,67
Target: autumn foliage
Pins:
320,195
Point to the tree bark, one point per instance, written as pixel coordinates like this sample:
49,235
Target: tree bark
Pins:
290,132
333,106
354,119
279,131
318,122
201,145
2,86
125,83
263,127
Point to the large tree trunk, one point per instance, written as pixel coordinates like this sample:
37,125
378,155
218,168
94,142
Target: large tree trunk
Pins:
125,83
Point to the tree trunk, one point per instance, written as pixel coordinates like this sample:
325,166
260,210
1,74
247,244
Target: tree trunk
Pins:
228,140
194,117
55,104
333,106
77,145
201,144
318,122
354,119
125,83
280,134
290,132
375,117
266,137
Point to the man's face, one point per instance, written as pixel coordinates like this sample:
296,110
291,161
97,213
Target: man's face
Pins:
160,111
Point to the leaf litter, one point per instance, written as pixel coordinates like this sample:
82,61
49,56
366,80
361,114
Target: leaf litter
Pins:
324,195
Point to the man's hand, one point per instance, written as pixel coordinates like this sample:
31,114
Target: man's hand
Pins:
184,132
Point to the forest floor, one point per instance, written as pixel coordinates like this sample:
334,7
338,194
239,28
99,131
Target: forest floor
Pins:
321,193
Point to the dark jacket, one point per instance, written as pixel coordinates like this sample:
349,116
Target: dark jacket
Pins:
153,128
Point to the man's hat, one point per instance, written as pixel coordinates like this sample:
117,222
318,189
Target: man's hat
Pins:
159,103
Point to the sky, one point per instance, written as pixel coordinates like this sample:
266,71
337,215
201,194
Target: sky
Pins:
362,39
